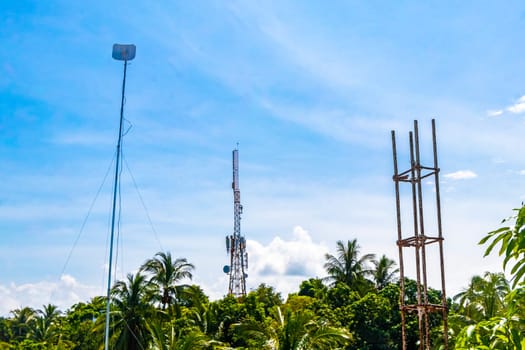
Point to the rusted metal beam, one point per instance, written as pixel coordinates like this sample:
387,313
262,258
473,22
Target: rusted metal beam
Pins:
419,241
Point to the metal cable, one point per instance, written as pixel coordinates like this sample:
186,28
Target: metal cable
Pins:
143,205
84,222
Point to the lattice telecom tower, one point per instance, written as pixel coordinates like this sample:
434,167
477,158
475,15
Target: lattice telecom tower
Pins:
236,243
420,241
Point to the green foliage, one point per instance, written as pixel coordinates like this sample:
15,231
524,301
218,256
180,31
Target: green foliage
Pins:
493,315
371,328
301,330
165,275
225,313
152,310
79,324
501,331
512,245
490,315
384,272
484,297
296,303
349,267
340,295
267,298
44,328
129,327
293,330
495,333
5,330
20,323
165,336
313,287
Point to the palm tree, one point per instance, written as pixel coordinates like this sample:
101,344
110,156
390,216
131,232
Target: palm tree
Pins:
348,267
384,272
196,307
492,322
21,321
130,312
299,330
44,328
167,338
484,298
165,274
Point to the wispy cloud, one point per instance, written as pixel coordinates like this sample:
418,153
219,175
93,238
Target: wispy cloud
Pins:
337,123
495,113
461,175
518,107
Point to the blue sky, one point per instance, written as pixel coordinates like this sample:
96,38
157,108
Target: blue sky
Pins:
309,89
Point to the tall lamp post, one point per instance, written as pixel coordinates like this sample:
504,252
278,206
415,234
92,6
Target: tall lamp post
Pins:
120,53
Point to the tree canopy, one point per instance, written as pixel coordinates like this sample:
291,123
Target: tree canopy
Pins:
356,306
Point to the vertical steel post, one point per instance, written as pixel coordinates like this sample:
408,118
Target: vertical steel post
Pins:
422,237
440,236
417,219
399,245
115,188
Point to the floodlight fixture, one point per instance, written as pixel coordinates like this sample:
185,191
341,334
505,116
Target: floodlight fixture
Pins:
123,52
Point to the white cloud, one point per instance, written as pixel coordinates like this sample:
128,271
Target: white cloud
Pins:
494,113
63,293
461,175
518,107
521,172
285,264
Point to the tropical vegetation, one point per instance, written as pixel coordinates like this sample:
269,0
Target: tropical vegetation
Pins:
355,306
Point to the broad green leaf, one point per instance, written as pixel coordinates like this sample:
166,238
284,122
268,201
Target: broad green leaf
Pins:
519,274
516,338
521,240
517,266
507,239
506,260
510,247
492,233
494,242
520,219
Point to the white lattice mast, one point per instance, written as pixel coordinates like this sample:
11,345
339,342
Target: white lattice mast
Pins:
236,243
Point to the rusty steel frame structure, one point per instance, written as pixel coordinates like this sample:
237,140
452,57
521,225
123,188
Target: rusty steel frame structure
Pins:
419,241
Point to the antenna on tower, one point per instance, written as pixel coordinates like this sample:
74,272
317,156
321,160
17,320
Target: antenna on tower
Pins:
236,243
